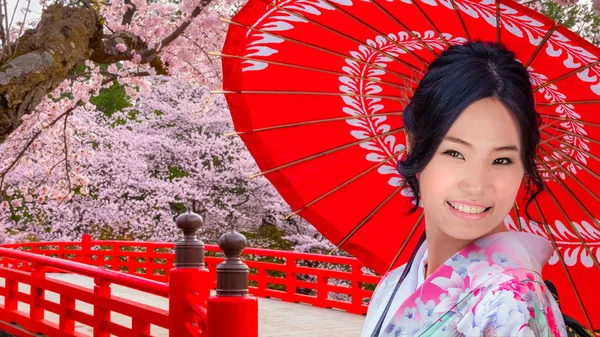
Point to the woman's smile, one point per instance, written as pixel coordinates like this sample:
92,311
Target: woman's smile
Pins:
467,212
468,206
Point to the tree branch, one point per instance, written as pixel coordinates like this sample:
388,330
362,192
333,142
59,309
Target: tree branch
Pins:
66,149
50,172
151,54
129,14
106,50
24,21
7,27
114,77
212,65
31,140
191,66
2,32
175,34
12,18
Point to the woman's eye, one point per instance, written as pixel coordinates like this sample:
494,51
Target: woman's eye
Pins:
454,154
503,161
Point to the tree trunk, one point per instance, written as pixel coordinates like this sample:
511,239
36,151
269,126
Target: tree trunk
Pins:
64,37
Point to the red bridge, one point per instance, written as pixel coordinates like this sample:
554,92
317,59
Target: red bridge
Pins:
178,273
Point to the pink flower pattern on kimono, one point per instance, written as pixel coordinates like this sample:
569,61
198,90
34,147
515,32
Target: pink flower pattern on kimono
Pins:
466,276
518,288
408,324
490,288
496,314
552,321
427,312
503,260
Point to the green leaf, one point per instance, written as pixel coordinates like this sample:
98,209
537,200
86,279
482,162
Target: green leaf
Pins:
579,18
111,100
176,172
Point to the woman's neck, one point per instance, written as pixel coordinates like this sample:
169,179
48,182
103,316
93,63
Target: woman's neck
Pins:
440,246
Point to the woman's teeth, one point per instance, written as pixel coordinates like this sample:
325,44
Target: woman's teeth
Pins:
468,209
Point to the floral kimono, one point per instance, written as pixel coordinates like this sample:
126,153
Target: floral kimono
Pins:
492,287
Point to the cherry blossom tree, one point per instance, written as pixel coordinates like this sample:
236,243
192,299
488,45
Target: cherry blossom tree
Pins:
117,133
79,49
139,166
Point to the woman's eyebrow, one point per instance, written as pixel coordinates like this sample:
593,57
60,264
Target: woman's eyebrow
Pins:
462,142
507,148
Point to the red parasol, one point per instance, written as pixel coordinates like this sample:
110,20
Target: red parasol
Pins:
316,90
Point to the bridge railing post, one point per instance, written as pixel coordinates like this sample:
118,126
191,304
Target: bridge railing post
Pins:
86,250
357,288
36,309
101,315
189,283
232,312
290,278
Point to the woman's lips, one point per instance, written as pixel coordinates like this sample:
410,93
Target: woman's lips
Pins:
469,216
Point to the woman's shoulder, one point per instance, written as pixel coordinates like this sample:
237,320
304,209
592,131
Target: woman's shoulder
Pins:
386,284
384,289
379,298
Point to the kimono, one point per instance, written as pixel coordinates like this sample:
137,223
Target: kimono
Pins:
491,287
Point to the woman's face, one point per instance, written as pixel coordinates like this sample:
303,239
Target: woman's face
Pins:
470,184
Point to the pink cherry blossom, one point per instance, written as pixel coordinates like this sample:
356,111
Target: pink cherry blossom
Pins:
121,47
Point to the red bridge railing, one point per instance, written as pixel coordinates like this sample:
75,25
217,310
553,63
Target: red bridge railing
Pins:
149,267
277,278
32,271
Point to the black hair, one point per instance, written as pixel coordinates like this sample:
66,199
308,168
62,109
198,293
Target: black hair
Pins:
460,76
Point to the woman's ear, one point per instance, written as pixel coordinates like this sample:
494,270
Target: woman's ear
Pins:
407,138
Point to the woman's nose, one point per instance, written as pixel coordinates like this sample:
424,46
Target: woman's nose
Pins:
475,180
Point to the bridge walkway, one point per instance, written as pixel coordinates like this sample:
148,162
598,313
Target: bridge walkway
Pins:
276,318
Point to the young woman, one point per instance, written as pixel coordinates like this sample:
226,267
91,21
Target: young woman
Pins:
472,133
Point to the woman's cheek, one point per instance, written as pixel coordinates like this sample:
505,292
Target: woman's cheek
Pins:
506,186
436,177
449,174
